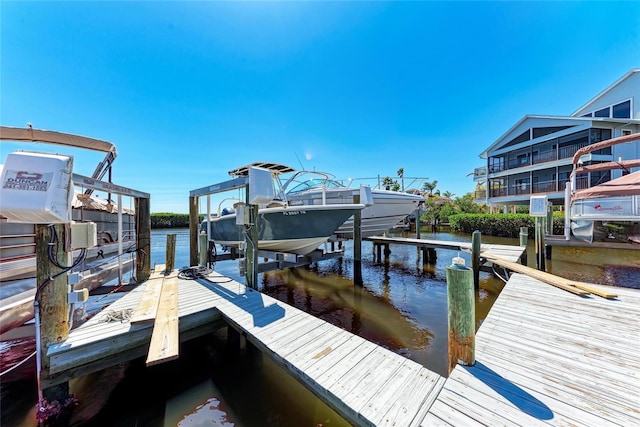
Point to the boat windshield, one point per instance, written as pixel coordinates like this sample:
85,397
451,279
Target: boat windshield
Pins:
305,180
315,183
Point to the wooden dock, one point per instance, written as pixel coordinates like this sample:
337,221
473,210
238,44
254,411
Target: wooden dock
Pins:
508,252
543,356
548,357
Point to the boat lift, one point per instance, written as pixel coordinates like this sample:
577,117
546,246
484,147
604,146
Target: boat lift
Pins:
250,179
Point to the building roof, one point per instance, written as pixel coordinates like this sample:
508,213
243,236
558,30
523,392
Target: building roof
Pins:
575,120
607,90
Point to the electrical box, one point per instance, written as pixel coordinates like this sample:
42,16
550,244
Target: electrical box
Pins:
260,186
242,215
36,188
83,235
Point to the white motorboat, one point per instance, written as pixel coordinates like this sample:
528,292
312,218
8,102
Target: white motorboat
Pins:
280,226
307,188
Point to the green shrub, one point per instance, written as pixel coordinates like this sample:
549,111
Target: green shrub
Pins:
171,220
505,225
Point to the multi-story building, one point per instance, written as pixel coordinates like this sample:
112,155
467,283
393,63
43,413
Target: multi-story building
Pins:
534,157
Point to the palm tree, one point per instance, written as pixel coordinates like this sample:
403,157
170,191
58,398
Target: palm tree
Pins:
428,187
401,176
448,194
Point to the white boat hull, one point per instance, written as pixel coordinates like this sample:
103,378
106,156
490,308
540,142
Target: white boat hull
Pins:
388,209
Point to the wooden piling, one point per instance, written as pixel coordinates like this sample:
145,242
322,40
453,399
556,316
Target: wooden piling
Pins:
143,239
52,302
357,243
539,243
476,243
251,247
524,235
193,230
460,314
170,256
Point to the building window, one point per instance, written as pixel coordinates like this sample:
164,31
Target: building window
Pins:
622,110
602,113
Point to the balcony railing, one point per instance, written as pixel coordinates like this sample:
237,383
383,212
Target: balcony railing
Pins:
480,172
544,187
545,156
480,195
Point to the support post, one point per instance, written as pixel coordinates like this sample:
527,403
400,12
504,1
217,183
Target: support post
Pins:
204,247
251,247
193,230
524,236
567,213
418,223
461,314
387,252
143,239
476,244
357,244
52,308
540,261
170,256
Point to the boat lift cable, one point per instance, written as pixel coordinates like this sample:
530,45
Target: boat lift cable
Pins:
23,361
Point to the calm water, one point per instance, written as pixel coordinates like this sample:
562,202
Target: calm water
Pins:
402,306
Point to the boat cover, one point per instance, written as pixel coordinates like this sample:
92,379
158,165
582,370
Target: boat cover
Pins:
627,185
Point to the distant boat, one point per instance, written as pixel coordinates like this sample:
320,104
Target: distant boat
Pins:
281,227
308,188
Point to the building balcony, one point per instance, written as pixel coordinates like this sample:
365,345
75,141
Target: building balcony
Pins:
479,174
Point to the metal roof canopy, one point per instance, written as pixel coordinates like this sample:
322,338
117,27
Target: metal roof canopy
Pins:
241,179
274,168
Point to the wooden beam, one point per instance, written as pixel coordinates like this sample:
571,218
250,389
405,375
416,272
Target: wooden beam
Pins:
147,307
573,286
165,339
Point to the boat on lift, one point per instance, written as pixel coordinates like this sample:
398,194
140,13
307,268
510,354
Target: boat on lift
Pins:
281,227
609,211
108,261
389,208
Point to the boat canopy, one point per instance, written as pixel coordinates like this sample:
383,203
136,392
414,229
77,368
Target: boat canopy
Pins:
52,137
622,164
274,168
627,185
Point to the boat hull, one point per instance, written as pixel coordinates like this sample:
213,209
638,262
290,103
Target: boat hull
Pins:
292,229
388,209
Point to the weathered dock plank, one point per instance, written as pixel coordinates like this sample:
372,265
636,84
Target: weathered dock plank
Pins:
547,357
165,338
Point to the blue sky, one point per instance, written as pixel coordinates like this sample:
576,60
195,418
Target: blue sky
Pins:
190,90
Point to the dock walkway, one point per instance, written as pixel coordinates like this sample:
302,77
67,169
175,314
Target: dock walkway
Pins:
547,357
543,356
508,252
